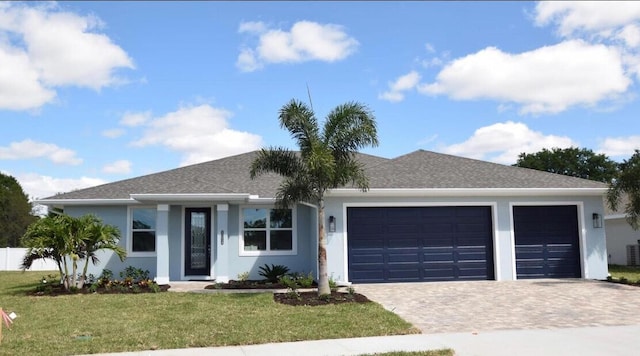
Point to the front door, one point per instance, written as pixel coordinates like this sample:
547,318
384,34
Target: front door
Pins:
197,242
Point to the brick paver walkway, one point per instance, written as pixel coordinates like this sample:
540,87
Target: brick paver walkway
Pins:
488,305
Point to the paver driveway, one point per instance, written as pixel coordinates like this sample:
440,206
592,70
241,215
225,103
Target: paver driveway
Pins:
488,305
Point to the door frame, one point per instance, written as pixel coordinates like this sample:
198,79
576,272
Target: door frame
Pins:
183,224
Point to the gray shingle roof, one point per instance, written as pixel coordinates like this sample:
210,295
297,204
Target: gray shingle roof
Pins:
419,169
425,169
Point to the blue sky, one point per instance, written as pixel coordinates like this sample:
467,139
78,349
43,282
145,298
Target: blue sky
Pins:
95,92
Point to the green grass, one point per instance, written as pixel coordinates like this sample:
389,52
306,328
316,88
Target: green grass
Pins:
441,352
631,273
94,323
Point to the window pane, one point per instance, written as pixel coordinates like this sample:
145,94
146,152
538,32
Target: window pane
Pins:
144,219
255,240
280,218
144,241
281,240
255,218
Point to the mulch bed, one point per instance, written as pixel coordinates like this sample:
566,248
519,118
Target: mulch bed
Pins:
312,299
58,289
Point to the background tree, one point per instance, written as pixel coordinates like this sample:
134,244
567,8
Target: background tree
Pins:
627,184
326,160
67,240
574,162
15,212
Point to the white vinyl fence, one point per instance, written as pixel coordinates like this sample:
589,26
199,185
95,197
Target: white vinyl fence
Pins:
11,258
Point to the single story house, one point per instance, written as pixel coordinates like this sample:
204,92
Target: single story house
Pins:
426,217
623,242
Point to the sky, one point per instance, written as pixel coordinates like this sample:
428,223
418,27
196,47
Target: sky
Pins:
96,92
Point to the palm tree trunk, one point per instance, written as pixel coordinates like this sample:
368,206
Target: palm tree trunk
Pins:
323,278
67,281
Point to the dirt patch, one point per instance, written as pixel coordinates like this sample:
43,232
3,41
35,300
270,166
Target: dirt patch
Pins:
312,299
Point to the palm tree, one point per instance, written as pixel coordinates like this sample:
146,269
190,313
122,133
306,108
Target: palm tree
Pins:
97,236
69,239
46,238
627,185
326,160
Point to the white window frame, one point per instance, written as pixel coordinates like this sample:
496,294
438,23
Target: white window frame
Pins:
268,251
130,252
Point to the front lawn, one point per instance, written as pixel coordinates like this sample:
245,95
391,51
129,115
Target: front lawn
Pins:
630,273
98,323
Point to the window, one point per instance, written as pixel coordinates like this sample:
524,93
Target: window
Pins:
267,231
143,230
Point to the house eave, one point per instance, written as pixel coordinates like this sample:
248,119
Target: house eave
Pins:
466,192
63,202
233,197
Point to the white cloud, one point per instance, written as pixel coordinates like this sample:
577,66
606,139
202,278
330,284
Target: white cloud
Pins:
41,186
252,27
305,41
28,149
118,167
247,61
619,146
20,88
546,80
113,133
399,86
201,133
134,119
45,48
586,16
630,35
503,142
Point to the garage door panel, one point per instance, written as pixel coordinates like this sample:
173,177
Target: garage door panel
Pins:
547,241
423,243
402,242
408,256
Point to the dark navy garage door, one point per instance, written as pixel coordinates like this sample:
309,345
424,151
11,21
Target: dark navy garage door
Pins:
407,244
547,241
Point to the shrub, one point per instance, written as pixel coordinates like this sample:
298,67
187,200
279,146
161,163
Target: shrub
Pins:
304,281
244,276
332,284
273,273
134,274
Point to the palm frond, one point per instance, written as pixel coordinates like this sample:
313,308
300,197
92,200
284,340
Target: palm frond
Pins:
276,160
350,127
301,123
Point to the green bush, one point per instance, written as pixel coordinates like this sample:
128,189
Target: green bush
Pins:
274,272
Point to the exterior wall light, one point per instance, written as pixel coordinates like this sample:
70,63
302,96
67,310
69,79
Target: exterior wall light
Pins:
597,220
332,224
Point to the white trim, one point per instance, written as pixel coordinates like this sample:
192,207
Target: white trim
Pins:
211,275
581,231
190,197
130,252
161,280
86,201
294,234
163,207
465,192
222,207
615,216
494,225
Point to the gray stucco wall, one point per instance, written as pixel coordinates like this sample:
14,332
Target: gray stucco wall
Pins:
593,248
117,216
303,261
619,235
